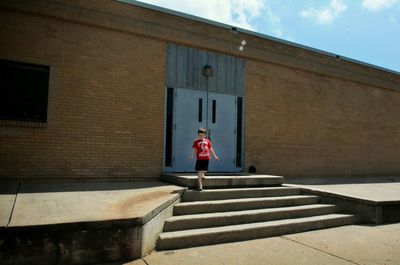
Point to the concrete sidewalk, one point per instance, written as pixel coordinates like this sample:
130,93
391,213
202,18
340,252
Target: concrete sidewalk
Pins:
347,245
32,205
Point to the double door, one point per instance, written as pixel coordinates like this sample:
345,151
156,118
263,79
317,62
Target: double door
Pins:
218,113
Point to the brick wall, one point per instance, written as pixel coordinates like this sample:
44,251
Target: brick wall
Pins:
306,114
304,124
106,101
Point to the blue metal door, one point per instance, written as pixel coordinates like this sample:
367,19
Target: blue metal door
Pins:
215,112
222,131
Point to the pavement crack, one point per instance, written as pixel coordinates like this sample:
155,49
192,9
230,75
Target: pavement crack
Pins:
15,202
145,262
320,250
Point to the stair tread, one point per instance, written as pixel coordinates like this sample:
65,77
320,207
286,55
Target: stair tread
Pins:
243,200
224,180
245,189
232,177
222,229
236,193
247,212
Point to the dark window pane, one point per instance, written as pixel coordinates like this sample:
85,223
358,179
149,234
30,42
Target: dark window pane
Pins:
23,91
214,111
200,109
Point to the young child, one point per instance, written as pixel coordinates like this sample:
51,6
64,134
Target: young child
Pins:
202,147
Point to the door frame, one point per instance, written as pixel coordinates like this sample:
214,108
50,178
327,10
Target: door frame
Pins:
168,146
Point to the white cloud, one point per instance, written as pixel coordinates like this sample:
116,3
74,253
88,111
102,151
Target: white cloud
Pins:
233,12
376,5
326,14
274,22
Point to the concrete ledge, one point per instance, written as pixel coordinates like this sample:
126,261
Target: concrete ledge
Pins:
50,245
150,231
76,223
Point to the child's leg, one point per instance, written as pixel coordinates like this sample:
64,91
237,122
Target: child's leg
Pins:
200,176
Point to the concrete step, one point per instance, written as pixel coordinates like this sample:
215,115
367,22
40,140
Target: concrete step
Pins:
195,221
224,194
233,233
197,207
220,181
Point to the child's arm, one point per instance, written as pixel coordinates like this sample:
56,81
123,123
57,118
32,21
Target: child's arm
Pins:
215,156
193,153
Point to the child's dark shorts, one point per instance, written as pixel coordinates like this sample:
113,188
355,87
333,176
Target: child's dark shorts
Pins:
201,165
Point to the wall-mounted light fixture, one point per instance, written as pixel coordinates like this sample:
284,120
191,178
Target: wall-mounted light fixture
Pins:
207,71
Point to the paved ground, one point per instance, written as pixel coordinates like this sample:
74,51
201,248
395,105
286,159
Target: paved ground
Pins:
52,203
348,245
36,204
356,244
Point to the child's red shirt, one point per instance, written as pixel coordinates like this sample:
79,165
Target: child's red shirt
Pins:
202,147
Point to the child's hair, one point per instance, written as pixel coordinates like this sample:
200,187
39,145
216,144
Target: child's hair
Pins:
202,130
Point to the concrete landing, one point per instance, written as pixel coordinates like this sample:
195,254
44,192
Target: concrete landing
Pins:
35,204
382,190
375,199
82,223
223,180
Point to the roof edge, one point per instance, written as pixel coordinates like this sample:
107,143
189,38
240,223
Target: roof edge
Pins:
253,33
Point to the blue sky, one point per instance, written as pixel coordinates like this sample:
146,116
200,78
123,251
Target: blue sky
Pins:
363,30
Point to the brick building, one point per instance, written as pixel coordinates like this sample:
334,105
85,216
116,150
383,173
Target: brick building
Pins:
105,89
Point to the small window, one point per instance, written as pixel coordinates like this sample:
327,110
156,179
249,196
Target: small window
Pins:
214,111
200,110
23,91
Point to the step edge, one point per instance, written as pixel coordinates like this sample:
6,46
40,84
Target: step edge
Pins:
260,225
244,212
197,203
245,218
248,189
165,242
